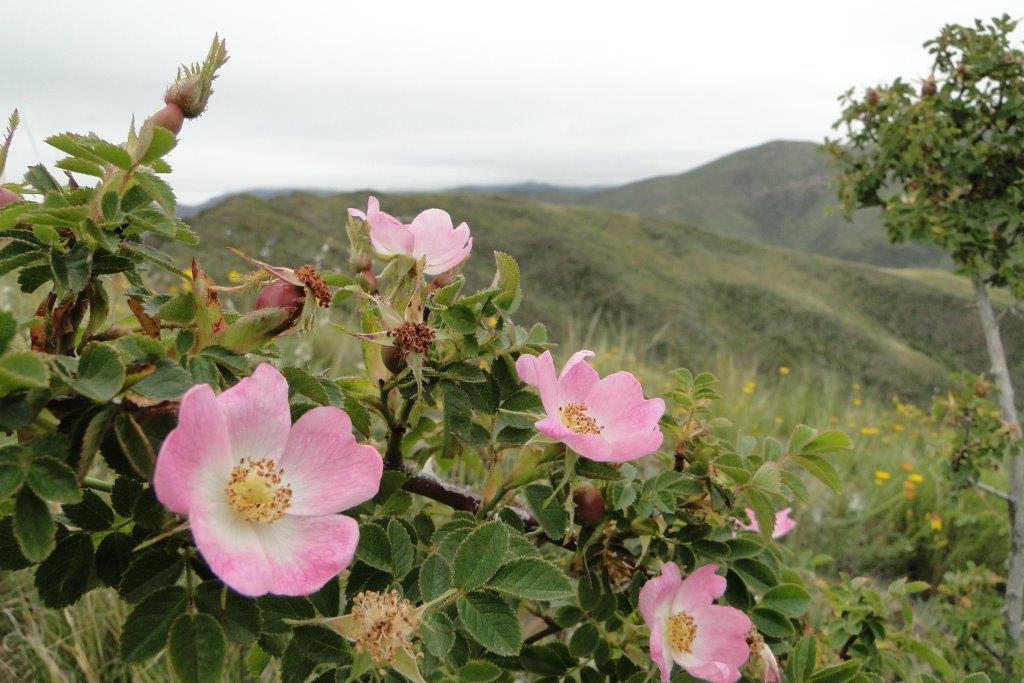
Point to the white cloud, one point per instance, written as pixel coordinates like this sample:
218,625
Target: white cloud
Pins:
430,94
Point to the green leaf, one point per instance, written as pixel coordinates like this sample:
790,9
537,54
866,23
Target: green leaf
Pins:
319,644
167,382
196,649
82,166
110,153
33,526
584,640
307,385
92,514
163,142
71,270
8,330
478,671
435,576
821,469
179,309
239,616
758,576
801,662
840,673
145,630
491,622
63,577
24,370
827,442
134,445
935,660
549,511
403,553
158,189
771,623
149,572
13,469
480,555
788,598
53,480
533,579
11,558
374,547
764,513
100,373
437,633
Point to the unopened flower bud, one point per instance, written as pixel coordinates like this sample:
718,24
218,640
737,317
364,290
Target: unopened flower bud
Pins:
928,88
7,197
872,97
194,85
170,117
589,503
393,359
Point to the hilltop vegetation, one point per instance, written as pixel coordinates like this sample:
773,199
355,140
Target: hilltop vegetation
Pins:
687,293
777,193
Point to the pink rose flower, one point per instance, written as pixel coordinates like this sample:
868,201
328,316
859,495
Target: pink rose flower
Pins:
431,237
607,420
687,628
261,493
783,524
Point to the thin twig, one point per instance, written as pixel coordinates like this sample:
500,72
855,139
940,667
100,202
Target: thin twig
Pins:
992,490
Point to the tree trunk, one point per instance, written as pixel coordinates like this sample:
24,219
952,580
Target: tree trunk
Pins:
1014,471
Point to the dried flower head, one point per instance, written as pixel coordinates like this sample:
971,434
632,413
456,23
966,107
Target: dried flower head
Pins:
312,280
382,625
412,337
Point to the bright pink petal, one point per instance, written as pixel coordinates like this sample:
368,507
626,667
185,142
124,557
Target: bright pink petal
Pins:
539,373
304,553
699,589
196,456
614,399
325,467
636,445
576,383
783,524
257,414
657,594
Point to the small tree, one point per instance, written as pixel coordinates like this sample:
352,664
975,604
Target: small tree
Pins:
945,163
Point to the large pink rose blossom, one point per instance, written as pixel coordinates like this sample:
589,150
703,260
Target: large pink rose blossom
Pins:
687,628
260,493
607,420
431,237
783,524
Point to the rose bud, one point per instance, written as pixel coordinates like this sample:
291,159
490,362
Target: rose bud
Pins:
393,359
8,197
170,117
589,505
281,294
928,89
872,97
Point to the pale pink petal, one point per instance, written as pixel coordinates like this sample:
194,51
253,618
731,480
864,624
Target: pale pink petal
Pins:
574,385
715,672
257,414
783,524
539,373
660,654
699,589
325,467
552,426
721,635
657,594
388,236
614,398
575,358
636,445
196,454
593,446
438,242
752,525
294,555
231,547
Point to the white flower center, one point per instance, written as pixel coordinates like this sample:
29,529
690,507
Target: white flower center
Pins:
576,418
681,631
256,492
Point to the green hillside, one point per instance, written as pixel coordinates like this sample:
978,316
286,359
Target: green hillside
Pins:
778,193
692,293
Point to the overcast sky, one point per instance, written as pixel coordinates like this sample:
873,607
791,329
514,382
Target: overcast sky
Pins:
430,94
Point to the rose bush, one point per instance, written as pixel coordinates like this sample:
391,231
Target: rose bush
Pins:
157,446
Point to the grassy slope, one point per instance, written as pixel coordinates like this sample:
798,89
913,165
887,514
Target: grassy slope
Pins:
688,293
777,193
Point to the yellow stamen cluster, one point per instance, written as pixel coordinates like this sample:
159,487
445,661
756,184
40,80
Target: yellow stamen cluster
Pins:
576,418
682,629
383,624
256,492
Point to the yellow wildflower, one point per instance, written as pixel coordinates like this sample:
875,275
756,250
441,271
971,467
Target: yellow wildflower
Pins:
935,522
858,402
783,370
856,387
235,276
882,475
916,478
749,388
898,427
869,431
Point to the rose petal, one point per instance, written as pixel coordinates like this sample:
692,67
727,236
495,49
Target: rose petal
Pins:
257,414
